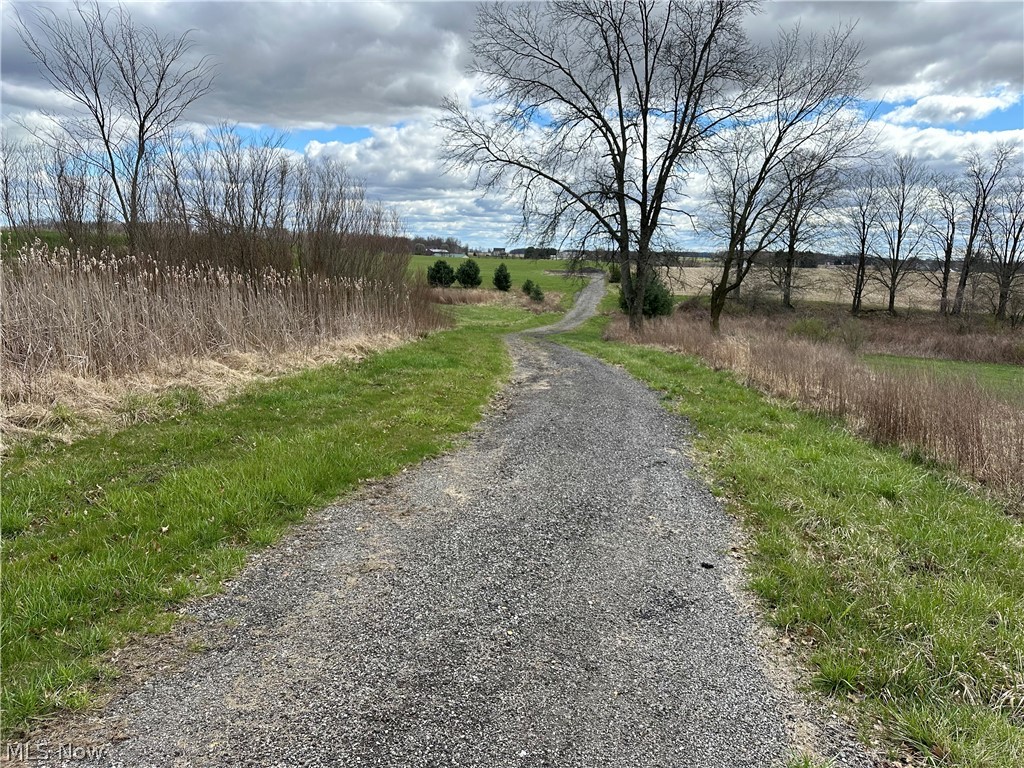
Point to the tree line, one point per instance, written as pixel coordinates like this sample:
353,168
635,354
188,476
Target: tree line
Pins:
122,172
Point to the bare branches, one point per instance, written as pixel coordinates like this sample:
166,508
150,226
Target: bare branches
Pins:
594,109
131,86
802,113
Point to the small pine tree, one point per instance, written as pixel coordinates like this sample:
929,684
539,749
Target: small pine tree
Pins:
440,273
657,298
536,293
502,279
468,274
528,287
614,274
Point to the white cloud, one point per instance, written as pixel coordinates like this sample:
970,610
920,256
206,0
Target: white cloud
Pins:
956,109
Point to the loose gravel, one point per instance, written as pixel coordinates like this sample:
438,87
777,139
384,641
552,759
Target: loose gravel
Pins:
554,593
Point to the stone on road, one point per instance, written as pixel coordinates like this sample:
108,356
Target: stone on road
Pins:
540,597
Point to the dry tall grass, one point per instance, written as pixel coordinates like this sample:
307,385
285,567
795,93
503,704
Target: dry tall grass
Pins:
954,422
68,314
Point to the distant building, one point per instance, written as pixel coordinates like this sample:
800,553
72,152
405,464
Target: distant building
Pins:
437,251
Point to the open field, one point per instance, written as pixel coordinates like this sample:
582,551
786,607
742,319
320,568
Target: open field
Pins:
821,285
899,586
160,512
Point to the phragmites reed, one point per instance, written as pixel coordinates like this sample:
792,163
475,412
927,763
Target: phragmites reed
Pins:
106,315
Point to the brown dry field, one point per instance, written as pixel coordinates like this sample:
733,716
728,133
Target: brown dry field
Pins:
824,284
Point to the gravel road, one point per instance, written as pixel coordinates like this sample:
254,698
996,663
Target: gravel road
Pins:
554,593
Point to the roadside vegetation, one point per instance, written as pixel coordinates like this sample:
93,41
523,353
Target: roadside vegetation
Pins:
898,583
952,421
105,536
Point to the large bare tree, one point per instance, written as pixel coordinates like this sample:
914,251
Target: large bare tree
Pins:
982,174
807,92
594,112
130,85
811,183
1003,237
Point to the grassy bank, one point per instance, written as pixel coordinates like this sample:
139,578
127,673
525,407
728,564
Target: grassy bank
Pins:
906,589
102,537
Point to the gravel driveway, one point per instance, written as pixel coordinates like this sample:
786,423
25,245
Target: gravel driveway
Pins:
553,593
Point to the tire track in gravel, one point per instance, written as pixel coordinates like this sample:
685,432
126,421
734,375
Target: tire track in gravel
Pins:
553,593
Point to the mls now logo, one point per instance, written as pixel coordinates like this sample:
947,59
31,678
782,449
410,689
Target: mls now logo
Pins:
27,751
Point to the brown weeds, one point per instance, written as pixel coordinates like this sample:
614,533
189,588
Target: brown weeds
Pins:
950,420
74,323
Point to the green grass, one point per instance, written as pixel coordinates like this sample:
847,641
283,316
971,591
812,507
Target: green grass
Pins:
908,587
1002,380
103,537
521,270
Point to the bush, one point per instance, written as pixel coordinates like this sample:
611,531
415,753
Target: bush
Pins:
657,298
528,287
468,274
614,274
536,293
440,273
502,279
810,328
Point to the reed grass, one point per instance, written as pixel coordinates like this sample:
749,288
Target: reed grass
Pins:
105,315
954,421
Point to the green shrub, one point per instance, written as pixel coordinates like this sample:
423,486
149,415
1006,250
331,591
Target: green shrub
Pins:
528,287
536,293
657,298
440,273
502,279
614,274
468,274
810,328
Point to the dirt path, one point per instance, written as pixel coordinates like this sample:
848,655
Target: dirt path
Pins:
554,593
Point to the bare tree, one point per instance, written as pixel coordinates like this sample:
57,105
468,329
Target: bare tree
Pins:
902,221
598,107
131,86
858,226
1003,236
808,87
22,184
982,174
947,204
810,183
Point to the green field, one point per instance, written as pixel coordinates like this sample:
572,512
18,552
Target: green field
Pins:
1006,381
104,537
902,588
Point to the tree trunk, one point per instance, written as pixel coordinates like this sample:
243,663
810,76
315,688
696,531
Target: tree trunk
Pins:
892,298
787,282
961,285
1004,299
858,283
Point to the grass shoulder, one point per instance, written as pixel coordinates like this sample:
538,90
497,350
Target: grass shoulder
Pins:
103,537
905,586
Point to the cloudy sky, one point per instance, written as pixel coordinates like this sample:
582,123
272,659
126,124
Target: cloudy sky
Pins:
363,81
